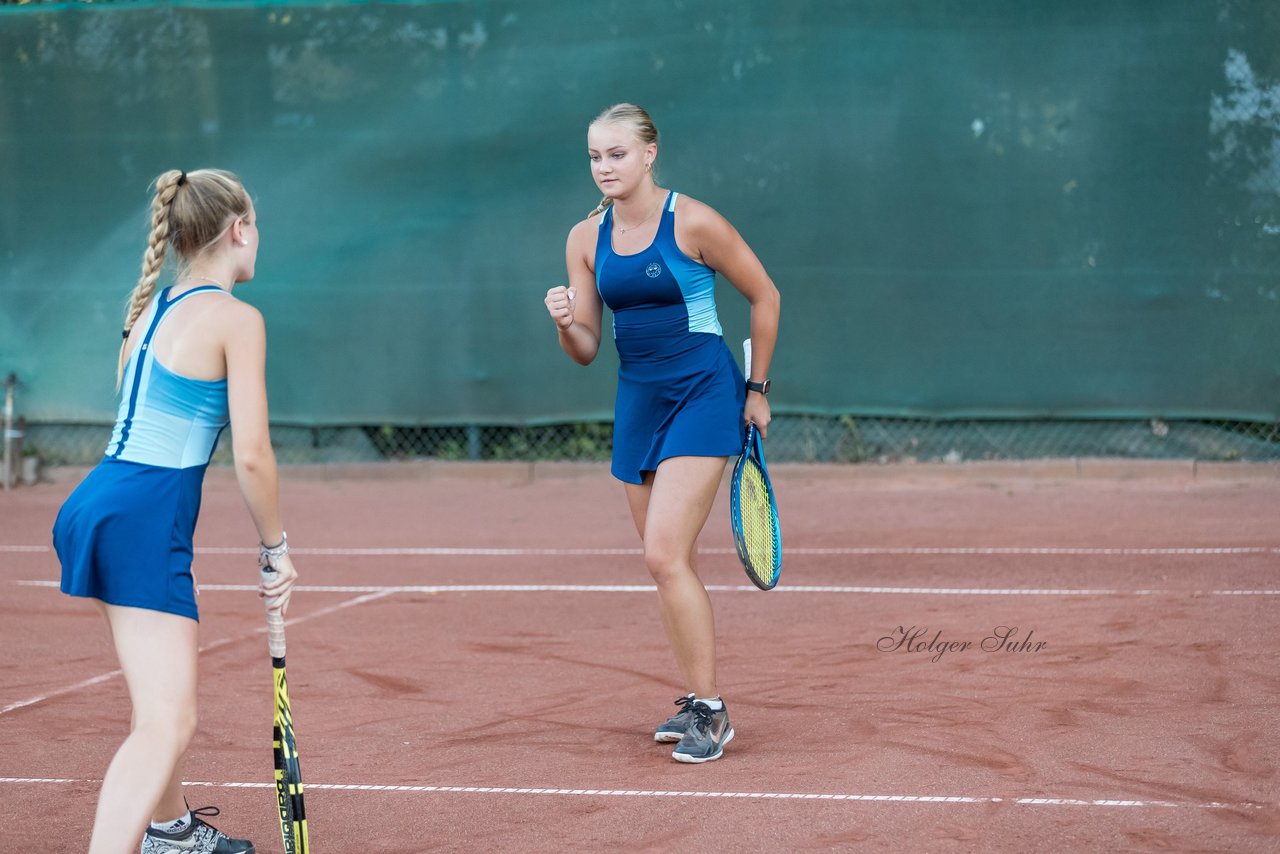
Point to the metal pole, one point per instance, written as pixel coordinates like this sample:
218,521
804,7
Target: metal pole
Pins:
9,383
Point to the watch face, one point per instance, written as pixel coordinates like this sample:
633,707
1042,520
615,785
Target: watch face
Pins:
765,386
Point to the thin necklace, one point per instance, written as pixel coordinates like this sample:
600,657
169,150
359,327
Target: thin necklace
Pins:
191,276
623,229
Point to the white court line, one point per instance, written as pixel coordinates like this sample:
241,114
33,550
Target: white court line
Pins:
84,683
727,588
444,551
104,677
642,793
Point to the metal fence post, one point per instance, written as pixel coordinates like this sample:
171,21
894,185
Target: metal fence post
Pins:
9,383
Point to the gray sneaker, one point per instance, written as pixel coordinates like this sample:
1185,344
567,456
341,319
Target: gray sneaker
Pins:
677,724
198,837
707,735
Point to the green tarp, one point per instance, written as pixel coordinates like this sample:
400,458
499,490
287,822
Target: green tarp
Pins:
998,208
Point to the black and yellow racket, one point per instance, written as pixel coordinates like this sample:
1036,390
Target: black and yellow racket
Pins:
293,814
753,514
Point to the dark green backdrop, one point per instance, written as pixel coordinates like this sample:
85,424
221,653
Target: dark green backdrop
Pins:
997,208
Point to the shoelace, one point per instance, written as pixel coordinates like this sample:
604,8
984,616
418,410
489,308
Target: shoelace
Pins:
684,703
701,715
199,813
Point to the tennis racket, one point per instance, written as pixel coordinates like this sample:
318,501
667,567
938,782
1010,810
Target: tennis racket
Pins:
753,512
293,815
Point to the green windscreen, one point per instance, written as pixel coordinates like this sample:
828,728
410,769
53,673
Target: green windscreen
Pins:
989,208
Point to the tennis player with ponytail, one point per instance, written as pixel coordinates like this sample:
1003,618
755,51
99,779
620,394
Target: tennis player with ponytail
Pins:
192,361
682,402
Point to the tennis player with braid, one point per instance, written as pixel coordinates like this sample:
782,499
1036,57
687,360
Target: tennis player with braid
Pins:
682,403
192,361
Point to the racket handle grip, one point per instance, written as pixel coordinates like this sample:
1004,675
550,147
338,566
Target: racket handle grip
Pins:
275,624
275,634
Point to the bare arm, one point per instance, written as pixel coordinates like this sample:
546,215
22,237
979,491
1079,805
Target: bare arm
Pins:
255,461
246,353
718,245
576,309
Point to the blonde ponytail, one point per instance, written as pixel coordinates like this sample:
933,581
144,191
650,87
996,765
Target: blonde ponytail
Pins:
605,203
153,258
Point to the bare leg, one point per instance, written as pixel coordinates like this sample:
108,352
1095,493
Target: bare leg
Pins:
172,804
638,499
671,508
157,653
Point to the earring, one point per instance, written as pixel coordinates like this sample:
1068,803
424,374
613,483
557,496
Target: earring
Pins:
244,243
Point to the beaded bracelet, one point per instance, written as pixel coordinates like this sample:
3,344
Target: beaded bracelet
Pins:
267,554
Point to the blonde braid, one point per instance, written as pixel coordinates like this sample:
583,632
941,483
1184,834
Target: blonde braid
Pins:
153,259
600,208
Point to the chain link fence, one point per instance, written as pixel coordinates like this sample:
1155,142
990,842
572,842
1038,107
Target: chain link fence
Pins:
792,438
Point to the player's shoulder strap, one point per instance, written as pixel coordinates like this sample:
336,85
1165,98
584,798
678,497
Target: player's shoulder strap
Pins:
201,289
164,304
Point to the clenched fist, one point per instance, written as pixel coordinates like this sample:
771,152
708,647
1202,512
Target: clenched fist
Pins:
560,303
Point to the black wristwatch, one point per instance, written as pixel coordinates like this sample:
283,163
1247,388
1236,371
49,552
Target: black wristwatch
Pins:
763,387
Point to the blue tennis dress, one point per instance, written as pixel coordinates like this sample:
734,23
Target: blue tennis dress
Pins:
124,535
680,391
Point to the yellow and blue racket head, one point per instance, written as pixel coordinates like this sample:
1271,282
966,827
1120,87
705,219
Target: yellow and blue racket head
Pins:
284,748
754,515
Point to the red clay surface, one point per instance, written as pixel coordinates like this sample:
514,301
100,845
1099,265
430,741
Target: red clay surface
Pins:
1155,690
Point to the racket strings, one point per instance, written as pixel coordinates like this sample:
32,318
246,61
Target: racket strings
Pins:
759,534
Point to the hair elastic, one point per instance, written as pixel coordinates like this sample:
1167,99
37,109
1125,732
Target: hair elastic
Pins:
182,179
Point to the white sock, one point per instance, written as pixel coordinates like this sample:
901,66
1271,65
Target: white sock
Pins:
715,704
176,826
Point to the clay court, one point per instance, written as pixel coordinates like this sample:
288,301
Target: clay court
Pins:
476,664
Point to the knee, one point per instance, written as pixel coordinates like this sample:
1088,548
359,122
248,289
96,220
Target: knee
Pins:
174,728
664,564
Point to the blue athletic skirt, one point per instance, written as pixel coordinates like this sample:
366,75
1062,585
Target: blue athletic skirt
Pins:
124,536
677,397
